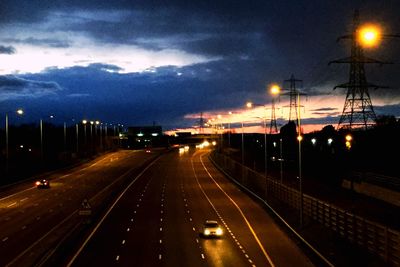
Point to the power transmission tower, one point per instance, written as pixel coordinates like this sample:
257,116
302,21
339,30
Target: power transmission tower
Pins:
293,94
201,123
273,128
358,110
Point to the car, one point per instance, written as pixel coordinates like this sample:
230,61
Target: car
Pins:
43,183
211,228
148,151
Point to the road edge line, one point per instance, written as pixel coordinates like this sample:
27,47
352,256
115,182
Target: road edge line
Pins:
275,213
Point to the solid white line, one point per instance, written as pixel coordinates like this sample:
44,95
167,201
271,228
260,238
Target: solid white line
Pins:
108,212
276,214
39,240
237,207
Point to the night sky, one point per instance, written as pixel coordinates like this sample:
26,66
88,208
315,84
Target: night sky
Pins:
139,62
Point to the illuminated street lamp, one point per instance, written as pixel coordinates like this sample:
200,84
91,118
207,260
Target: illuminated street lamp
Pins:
369,35
84,122
275,91
19,112
299,139
348,139
250,105
219,116
41,139
229,129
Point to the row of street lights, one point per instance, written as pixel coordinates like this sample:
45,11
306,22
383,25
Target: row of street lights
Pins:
41,128
275,90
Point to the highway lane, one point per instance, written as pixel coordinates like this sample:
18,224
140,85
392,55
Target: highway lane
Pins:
156,222
27,214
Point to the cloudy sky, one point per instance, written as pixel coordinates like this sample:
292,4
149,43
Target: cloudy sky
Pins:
139,62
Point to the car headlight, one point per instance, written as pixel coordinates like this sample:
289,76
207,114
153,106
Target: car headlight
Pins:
219,231
206,232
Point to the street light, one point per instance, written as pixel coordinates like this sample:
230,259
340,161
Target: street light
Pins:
229,129
91,136
84,122
250,105
369,35
219,116
299,139
348,138
275,91
41,139
19,112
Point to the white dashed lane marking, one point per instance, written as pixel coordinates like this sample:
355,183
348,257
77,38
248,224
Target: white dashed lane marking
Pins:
15,203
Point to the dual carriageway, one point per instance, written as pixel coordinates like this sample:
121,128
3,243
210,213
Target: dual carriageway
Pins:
148,209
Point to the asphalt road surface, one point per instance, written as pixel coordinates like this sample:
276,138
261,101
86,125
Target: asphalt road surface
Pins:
31,218
157,219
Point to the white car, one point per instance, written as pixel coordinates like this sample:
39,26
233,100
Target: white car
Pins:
211,229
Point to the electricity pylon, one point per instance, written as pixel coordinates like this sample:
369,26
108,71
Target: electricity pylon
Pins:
293,93
358,110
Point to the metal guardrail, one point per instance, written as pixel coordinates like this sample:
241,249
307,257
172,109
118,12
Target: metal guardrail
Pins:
376,238
378,179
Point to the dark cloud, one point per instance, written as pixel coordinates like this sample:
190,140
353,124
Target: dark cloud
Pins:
324,109
255,42
9,50
16,87
40,42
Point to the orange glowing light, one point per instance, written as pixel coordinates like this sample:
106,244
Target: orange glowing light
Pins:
275,89
369,35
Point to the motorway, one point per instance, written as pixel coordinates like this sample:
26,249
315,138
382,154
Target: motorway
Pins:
156,221
34,220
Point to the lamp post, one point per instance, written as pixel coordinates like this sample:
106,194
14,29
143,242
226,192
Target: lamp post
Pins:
77,137
299,139
19,112
84,122
275,91
219,116
281,159
229,129
250,105
242,146
91,136
41,141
